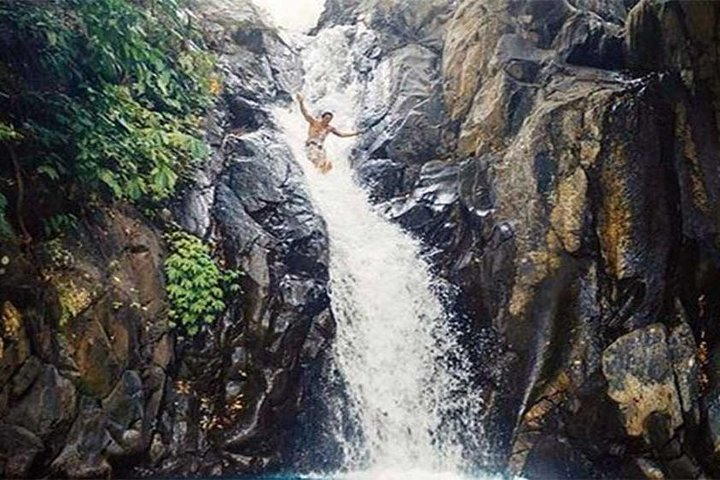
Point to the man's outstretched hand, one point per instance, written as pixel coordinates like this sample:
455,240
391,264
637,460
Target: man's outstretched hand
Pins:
300,97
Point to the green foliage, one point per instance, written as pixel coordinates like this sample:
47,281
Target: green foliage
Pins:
8,132
105,96
197,287
59,224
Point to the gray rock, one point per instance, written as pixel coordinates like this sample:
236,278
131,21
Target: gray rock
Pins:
25,376
410,98
82,455
423,23
382,177
588,40
236,392
49,405
712,407
20,448
125,404
686,367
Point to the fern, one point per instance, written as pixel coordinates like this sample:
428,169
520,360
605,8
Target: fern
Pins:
197,287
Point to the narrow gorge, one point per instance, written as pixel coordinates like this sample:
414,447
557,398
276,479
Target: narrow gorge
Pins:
509,274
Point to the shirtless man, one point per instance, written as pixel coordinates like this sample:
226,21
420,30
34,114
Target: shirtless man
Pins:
318,131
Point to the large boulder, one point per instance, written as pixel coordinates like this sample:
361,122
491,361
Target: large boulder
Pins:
20,447
638,367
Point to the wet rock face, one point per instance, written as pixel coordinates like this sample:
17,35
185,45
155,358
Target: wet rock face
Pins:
398,47
82,354
568,187
94,382
236,392
396,21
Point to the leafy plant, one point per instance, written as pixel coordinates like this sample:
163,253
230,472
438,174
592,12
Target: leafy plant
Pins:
197,287
59,224
103,97
8,132
57,257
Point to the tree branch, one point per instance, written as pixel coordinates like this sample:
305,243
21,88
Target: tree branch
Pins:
26,237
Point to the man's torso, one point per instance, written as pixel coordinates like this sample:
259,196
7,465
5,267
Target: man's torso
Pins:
317,133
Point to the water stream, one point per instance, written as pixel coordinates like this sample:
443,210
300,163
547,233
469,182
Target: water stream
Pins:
395,353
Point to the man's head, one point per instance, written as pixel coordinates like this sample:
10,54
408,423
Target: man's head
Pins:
326,118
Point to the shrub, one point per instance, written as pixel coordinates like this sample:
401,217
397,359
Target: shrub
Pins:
103,97
197,287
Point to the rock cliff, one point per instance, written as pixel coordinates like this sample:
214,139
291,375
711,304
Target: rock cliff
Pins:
94,381
559,159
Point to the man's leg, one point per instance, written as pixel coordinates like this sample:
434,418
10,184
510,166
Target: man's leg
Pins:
325,166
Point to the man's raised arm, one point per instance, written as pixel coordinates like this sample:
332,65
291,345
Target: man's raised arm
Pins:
304,111
345,135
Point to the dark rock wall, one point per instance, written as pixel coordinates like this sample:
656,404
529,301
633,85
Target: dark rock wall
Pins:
567,183
242,386
93,382
86,349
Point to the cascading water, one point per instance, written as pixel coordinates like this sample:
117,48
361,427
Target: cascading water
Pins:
394,351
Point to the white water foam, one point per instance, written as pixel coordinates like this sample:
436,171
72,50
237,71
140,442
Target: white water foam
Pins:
393,344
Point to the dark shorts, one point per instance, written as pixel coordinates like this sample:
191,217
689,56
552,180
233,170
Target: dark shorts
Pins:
315,153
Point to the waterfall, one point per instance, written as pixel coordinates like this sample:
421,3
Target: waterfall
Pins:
394,351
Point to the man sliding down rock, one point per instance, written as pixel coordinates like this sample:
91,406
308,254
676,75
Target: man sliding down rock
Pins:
317,133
